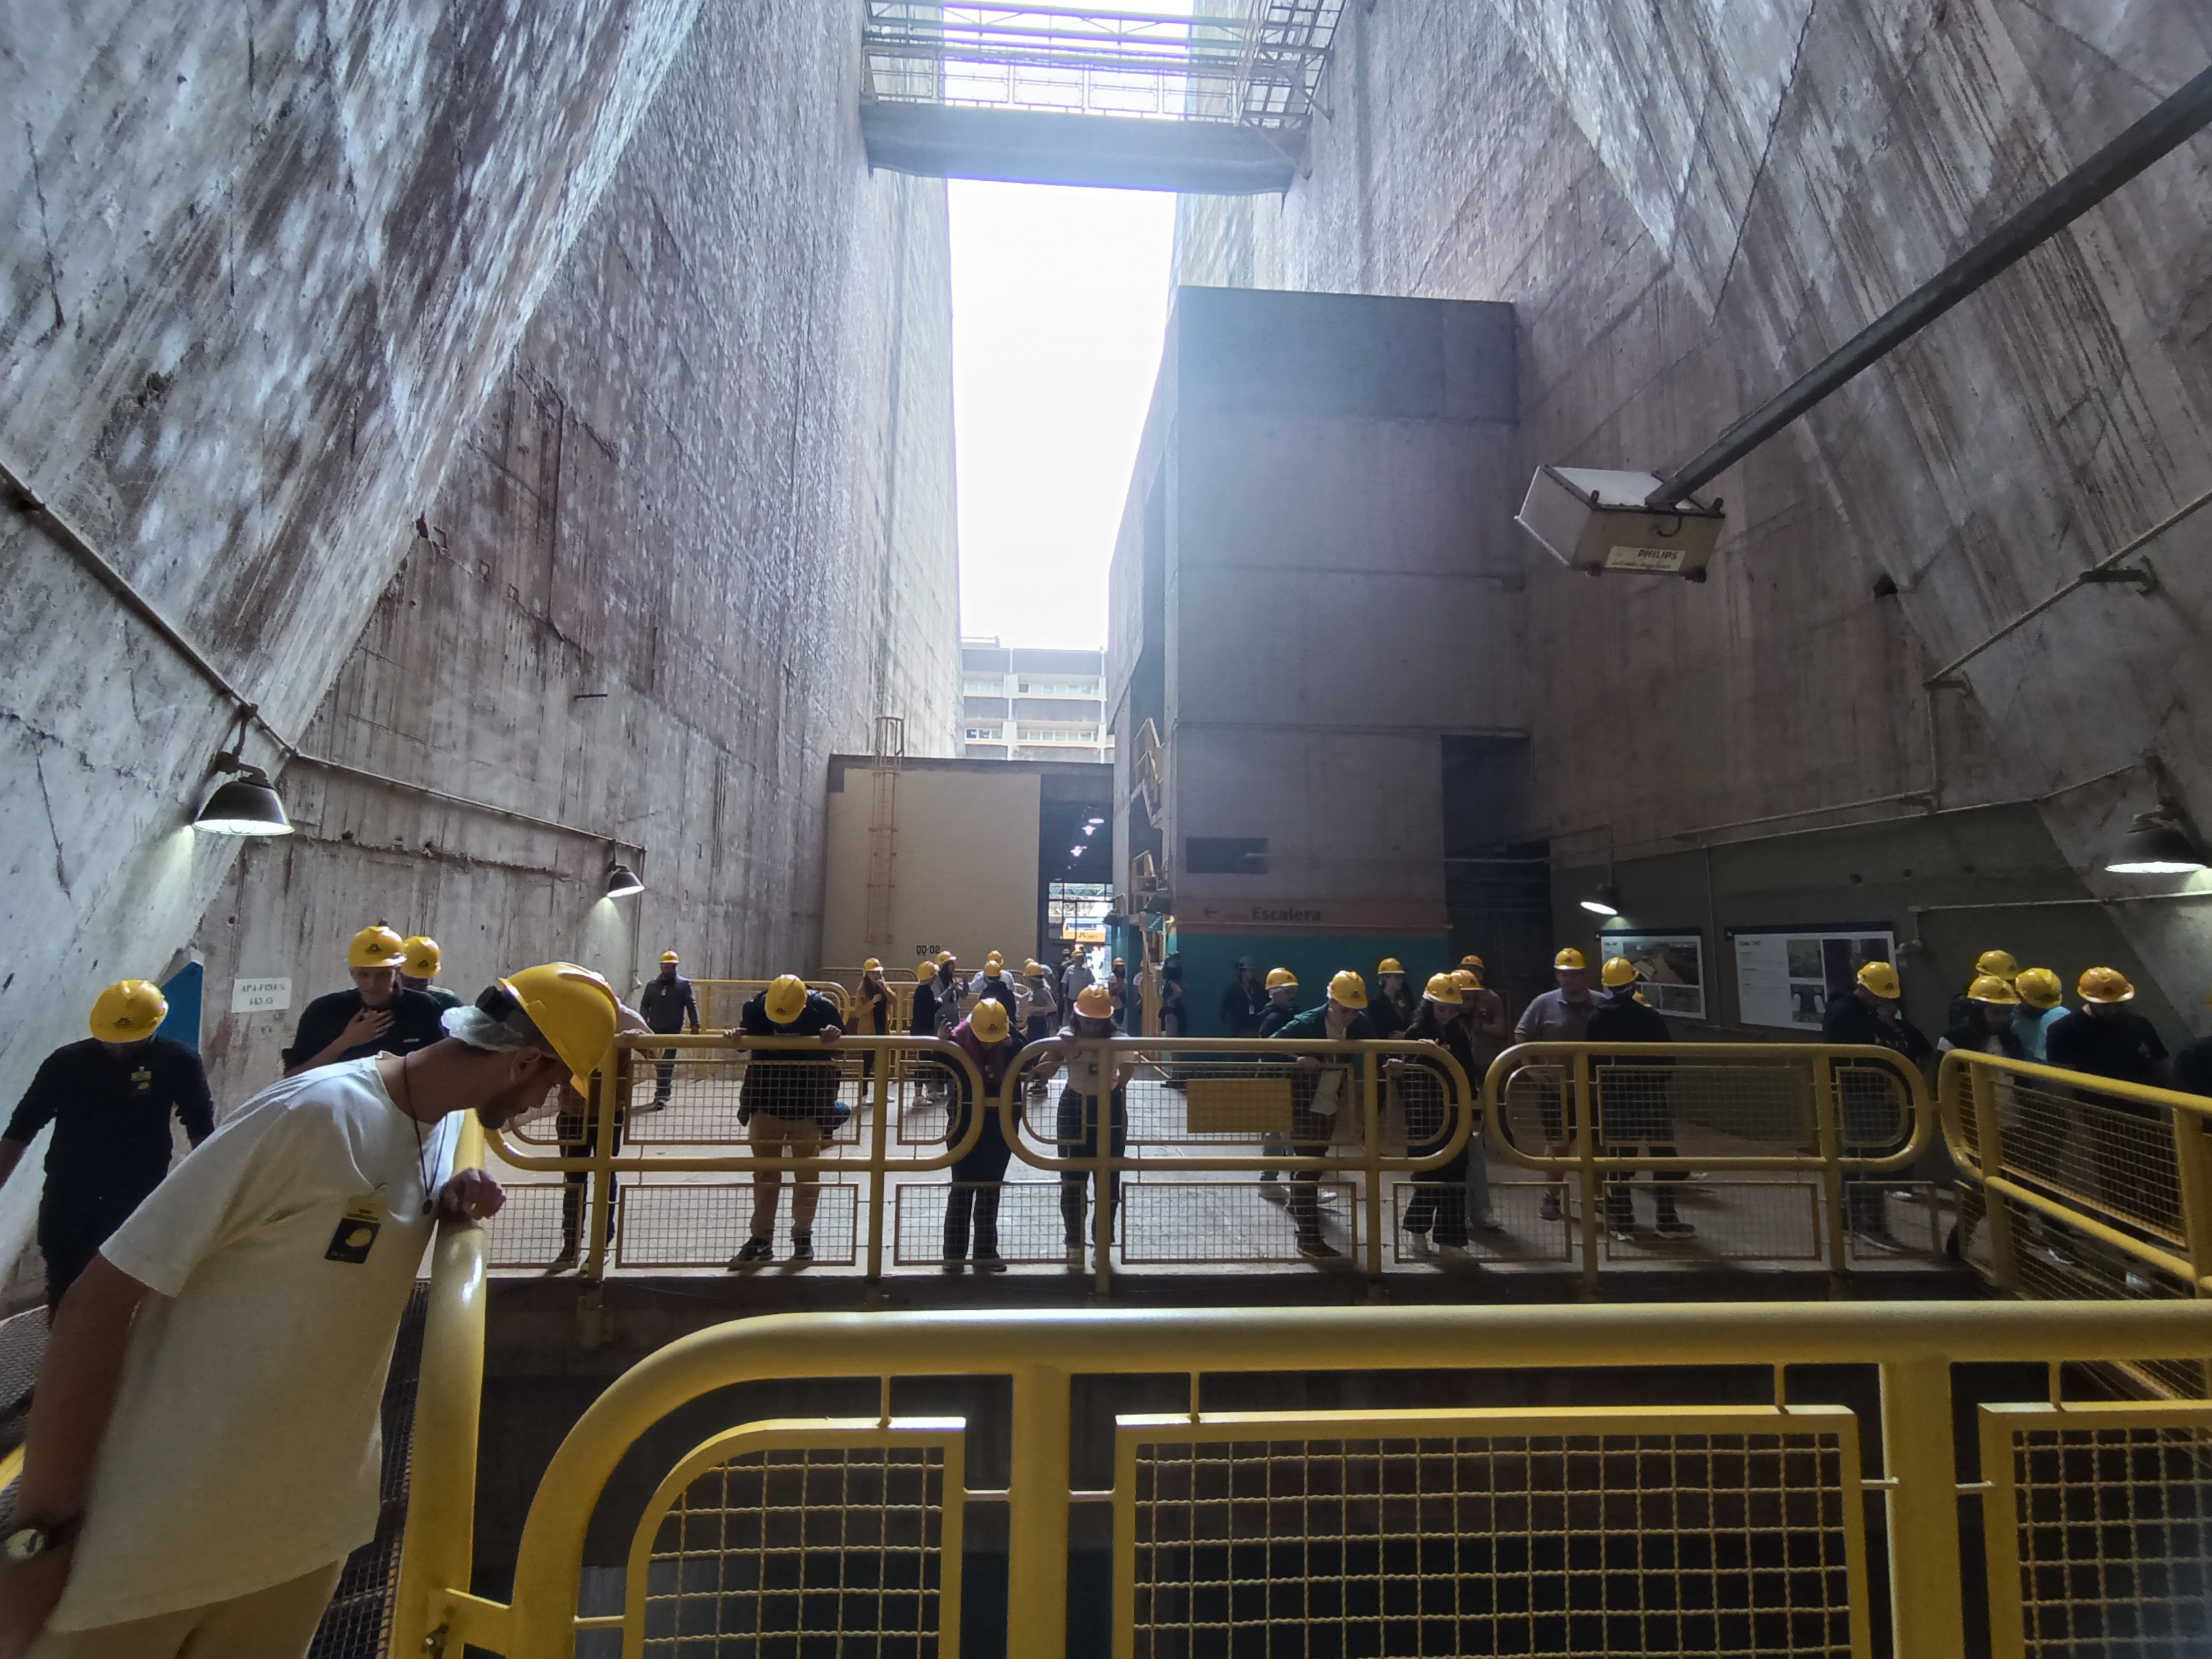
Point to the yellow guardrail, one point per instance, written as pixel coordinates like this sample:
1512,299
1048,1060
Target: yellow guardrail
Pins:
1727,1528
2088,1186
720,1000
1837,1112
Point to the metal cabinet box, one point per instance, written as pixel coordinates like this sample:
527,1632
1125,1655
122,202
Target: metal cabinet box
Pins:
1594,521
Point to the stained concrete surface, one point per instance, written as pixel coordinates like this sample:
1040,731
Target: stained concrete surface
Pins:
1688,206
262,264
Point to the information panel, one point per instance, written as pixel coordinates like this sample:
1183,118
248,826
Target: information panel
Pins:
1673,966
1787,976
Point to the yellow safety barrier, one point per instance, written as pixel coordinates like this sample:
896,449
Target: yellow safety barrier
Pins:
1667,1525
720,1000
2079,1186
1601,1112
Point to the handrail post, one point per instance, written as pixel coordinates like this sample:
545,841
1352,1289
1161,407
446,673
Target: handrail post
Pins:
1921,1467
1581,1104
1038,1499
610,1084
1105,1176
879,1179
1989,1146
1827,1111
1371,1108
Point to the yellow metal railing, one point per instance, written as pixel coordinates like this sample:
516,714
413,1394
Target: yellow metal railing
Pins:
1216,1151
720,1000
2085,1186
1825,1113
1668,1525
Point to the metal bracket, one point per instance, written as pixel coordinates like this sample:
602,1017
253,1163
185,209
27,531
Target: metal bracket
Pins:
2143,576
1947,682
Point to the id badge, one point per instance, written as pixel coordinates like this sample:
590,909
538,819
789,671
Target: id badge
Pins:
356,1232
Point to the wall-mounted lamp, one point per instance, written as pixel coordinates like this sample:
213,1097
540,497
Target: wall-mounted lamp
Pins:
1606,902
2158,843
247,805
622,882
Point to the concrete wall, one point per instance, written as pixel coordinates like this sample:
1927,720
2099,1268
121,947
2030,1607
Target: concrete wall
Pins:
965,869
700,534
262,264
1686,206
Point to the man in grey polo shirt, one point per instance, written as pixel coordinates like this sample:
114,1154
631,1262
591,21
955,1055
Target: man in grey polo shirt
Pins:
1557,1016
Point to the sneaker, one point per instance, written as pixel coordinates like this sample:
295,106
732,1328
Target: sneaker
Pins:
992,1263
1675,1227
562,1262
802,1247
756,1250
1268,1174
1881,1238
1623,1235
1327,1198
1419,1242
656,1104
1075,1258
1318,1249
1272,1192
1549,1209
953,1264
1489,1224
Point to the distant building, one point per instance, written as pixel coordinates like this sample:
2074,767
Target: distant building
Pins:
1019,704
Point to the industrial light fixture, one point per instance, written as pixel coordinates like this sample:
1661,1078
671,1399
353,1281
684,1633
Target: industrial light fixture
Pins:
2157,843
622,881
1606,902
247,805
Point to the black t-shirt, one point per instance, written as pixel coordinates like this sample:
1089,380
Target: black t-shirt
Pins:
416,1023
2124,1047
111,1116
665,1002
1849,1020
1624,1019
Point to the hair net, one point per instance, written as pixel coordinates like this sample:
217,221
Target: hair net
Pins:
480,1031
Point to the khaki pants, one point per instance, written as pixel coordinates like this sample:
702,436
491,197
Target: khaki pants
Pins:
277,1623
773,1136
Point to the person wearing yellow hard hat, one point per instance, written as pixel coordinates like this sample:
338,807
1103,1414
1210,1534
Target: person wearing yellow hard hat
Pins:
2106,1037
1440,1195
992,984
1392,1007
948,991
110,1098
986,1036
1990,964
243,1406
789,1104
419,970
2042,1004
1282,1003
670,1006
1097,1089
1872,1013
1987,1029
379,1016
1635,1107
1559,1015
871,1012
1321,1088
1483,1012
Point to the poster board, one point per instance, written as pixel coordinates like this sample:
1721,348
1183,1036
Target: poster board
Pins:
1673,966
1786,976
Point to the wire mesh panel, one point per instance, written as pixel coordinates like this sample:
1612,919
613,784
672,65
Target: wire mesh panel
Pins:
529,1231
788,1544
2099,1523
1028,1220
700,1097
1737,1219
1687,1531
1219,1220
680,1224
2112,1155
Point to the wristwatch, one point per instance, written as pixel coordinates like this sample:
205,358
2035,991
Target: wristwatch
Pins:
27,1544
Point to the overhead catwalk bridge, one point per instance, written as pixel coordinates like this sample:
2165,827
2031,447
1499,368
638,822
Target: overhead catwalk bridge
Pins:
1216,102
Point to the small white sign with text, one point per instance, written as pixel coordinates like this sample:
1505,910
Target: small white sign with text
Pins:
260,996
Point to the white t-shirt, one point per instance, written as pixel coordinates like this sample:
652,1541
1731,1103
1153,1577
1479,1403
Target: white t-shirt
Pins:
246,1443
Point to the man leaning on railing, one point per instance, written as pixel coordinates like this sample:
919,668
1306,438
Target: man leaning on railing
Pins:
789,1105
203,1449
1319,1089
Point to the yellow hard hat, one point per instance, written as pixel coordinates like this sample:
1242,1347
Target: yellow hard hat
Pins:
423,956
871,966
1388,965
129,1009
1472,963
994,960
1347,987
1993,987
924,971
1999,963
376,947
1278,976
1443,987
572,1008
786,999
944,956
1569,957
1095,1002
671,955
1118,962
1467,978
2104,985
989,1022
2039,988
1033,969
1881,978
1618,971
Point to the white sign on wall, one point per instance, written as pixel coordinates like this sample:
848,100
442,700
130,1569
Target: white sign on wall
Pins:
1787,976
260,996
1673,966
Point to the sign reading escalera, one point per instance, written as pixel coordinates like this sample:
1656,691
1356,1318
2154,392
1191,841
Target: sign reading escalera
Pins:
1224,916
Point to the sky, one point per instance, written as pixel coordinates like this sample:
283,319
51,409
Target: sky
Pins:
1059,301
